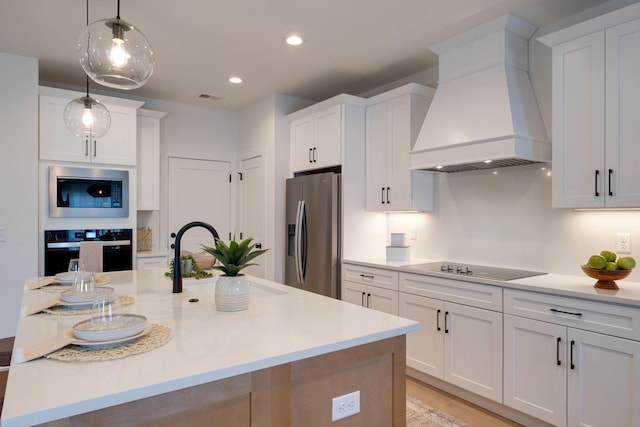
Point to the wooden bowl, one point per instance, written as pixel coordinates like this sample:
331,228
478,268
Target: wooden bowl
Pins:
605,277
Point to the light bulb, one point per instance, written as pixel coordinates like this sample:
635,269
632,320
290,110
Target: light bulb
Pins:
118,56
87,119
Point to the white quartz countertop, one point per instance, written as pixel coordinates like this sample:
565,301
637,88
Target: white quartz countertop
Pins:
282,325
556,284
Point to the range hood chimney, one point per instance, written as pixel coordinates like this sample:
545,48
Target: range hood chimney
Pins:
484,113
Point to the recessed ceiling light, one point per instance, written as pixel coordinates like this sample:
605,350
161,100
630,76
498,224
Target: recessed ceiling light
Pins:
235,80
294,40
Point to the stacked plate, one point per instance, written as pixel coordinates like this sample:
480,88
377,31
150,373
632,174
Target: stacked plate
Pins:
66,278
123,328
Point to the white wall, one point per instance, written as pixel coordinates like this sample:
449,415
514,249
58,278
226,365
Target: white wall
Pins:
194,132
263,130
18,183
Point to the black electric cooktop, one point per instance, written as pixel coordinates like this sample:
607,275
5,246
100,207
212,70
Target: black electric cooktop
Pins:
479,271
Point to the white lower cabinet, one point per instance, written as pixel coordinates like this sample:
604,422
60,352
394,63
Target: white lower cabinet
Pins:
557,371
456,342
370,287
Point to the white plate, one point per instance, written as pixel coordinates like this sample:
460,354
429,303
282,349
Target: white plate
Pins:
127,326
111,343
84,297
76,305
67,279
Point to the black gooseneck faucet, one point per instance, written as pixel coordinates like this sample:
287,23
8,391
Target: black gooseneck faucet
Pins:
177,268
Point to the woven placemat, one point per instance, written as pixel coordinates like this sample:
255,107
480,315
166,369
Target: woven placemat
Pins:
101,280
157,336
60,310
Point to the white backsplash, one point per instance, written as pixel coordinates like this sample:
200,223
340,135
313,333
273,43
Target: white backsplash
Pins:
505,219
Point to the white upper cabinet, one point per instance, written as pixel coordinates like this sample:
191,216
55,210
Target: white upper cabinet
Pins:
148,159
393,122
117,146
319,132
596,98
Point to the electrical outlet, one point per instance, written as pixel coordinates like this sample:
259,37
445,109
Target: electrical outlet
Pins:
345,405
413,232
623,243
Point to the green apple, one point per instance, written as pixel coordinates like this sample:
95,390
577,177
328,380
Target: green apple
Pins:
610,256
597,261
626,263
611,266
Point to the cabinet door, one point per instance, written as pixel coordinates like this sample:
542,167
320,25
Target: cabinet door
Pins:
425,347
535,368
622,106
302,142
56,141
578,123
148,163
118,145
473,350
382,300
376,154
398,147
604,380
354,293
328,138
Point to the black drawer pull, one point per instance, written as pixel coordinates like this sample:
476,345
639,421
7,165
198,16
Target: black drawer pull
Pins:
565,312
362,302
367,276
610,173
596,184
558,362
438,320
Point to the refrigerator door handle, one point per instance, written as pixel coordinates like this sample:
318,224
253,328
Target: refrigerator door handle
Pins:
298,242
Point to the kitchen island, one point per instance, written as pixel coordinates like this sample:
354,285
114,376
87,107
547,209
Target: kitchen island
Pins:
278,363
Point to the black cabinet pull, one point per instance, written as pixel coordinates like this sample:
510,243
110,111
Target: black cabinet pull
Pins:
610,173
367,276
438,320
310,152
572,344
446,330
382,195
369,300
388,191
362,301
95,148
565,312
558,362
314,154
258,245
596,184
86,147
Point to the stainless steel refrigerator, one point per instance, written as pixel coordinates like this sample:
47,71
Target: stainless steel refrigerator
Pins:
313,233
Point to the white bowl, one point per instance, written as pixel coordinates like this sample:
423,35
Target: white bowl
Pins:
126,325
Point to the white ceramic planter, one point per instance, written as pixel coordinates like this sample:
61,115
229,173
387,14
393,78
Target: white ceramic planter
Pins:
232,293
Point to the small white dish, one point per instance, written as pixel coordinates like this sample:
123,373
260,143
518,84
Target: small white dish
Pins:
66,278
111,343
84,297
75,305
125,326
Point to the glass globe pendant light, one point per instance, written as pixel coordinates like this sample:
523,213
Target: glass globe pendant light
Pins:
115,54
86,116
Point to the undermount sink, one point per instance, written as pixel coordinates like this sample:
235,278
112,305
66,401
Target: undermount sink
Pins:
206,287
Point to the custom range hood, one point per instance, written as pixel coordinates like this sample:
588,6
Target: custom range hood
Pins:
484,113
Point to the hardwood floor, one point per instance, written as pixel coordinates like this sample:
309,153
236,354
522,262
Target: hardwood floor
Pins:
456,407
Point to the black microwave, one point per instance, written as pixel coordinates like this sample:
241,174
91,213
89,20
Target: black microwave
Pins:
88,193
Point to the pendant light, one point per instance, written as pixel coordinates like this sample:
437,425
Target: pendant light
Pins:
115,54
86,116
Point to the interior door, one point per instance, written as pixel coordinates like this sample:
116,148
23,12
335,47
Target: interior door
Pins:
199,190
252,200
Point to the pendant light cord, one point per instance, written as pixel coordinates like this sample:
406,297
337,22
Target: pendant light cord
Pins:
118,12
87,20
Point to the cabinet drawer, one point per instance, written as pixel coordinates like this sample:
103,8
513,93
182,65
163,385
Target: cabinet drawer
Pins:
387,279
611,319
473,294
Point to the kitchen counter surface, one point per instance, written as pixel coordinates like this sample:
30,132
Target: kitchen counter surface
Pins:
556,284
282,325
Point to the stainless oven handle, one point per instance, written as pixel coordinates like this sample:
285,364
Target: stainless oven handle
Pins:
77,244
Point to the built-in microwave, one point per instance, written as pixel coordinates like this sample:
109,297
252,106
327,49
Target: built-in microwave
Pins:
88,192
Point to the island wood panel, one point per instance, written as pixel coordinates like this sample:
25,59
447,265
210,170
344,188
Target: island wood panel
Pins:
289,395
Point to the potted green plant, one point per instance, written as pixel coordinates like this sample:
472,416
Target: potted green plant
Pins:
232,288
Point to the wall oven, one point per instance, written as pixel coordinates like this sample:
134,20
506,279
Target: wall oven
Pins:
88,193
60,246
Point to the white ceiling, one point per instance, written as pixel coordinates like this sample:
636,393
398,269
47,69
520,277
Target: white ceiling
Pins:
351,46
